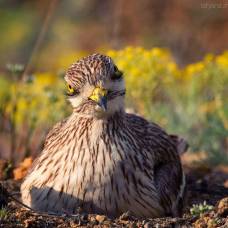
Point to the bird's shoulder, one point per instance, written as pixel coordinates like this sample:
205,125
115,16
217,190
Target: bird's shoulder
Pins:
55,130
155,134
145,127
168,175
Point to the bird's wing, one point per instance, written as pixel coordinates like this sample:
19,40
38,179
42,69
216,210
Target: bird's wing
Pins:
54,131
168,174
49,138
181,144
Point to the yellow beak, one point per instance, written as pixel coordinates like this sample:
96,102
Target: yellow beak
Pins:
99,95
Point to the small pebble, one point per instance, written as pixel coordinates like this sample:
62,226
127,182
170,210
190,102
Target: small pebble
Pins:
101,218
223,207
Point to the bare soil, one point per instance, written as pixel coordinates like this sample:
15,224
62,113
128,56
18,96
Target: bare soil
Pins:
204,184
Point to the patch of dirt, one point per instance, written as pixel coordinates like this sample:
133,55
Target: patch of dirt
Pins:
204,184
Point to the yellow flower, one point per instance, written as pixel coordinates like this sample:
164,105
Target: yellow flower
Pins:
65,60
208,58
222,60
112,53
160,53
44,79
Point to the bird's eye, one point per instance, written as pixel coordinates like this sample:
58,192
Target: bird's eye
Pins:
117,74
71,91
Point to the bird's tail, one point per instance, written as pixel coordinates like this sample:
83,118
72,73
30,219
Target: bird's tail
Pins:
182,144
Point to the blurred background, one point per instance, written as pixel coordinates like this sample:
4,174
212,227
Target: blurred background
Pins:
174,55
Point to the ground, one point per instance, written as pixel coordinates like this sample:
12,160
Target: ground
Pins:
204,184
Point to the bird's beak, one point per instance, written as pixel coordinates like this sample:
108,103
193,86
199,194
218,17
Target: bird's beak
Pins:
99,95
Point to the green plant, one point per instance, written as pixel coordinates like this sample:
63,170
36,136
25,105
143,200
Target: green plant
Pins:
3,213
198,209
190,101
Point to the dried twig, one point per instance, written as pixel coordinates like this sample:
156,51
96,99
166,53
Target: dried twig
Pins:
43,31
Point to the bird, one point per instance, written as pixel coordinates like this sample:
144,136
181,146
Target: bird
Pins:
102,159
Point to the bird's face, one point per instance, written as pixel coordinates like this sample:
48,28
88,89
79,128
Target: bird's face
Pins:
95,86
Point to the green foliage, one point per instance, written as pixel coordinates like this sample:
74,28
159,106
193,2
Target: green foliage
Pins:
15,69
199,209
31,105
3,213
192,101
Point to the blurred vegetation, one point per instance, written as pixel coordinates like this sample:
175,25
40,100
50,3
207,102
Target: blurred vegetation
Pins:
45,37
187,28
199,209
3,213
191,101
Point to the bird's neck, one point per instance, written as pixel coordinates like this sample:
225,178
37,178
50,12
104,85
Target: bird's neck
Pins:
90,113
97,128
116,118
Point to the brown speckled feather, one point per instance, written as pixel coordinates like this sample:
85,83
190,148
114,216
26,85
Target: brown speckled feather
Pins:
105,161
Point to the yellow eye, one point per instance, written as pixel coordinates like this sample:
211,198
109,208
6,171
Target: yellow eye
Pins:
70,89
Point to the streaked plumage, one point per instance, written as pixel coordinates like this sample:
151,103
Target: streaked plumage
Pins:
103,160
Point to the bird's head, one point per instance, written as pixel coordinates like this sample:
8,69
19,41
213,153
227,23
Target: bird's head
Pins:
95,86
